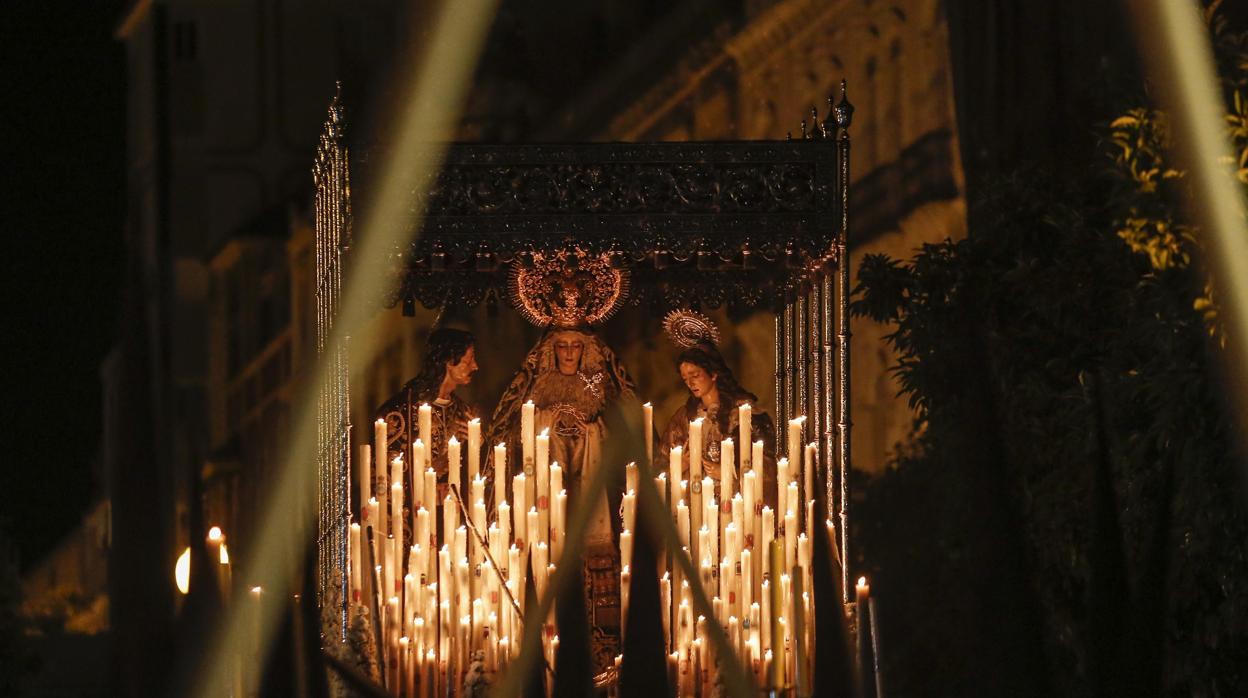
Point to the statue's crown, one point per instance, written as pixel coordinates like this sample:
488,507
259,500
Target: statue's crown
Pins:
568,288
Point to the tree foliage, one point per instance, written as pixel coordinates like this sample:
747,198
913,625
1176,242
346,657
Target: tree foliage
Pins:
1079,295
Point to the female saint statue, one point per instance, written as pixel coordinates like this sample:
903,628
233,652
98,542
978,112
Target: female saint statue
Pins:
574,381
715,396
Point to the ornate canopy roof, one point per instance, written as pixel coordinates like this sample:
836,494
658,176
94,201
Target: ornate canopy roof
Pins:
694,223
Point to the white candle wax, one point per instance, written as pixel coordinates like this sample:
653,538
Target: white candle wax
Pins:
745,414
504,525
790,540
629,507
794,442
647,427
364,486
727,470
453,463
527,412
520,509
767,532
500,474
682,522
418,475
425,422
532,522
626,547
675,464
396,509
541,484
474,448
782,482
356,561
749,506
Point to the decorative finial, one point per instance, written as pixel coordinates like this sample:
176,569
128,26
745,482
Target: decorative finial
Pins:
804,136
844,110
817,130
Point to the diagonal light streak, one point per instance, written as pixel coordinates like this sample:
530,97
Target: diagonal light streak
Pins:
437,90
1175,44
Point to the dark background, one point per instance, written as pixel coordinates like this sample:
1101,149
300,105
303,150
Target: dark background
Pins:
63,193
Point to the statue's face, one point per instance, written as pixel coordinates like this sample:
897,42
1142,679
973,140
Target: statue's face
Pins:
697,380
568,350
460,372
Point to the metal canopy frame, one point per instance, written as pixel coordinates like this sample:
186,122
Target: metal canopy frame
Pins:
698,224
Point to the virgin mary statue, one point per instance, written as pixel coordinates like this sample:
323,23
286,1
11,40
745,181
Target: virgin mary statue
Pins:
575,382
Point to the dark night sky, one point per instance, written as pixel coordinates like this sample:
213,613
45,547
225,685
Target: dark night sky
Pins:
63,193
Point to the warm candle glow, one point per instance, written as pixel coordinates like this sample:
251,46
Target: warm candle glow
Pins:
182,571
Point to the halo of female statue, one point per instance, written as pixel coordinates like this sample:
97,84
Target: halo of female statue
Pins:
576,383
715,396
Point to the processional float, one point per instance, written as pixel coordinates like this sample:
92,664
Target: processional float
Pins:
748,225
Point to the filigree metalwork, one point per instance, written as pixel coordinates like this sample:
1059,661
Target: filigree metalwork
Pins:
687,328
708,223
567,288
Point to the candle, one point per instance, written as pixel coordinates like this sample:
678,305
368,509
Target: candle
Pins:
356,561
533,521
431,486
500,474
374,515
560,516
365,484
647,427
556,479
629,506
757,453
782,482
749,482
744,416
425,420
450,518
790,540
695,479
794,442
474,448
418,475
380,451
519,507
453,463
665,603
630,477
675,465
864,591
747,581
808,481
541,483
766,534
381,477
504,525
682,522
727,470
777,606
396,507
526,435
625,579
424,537
626,547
